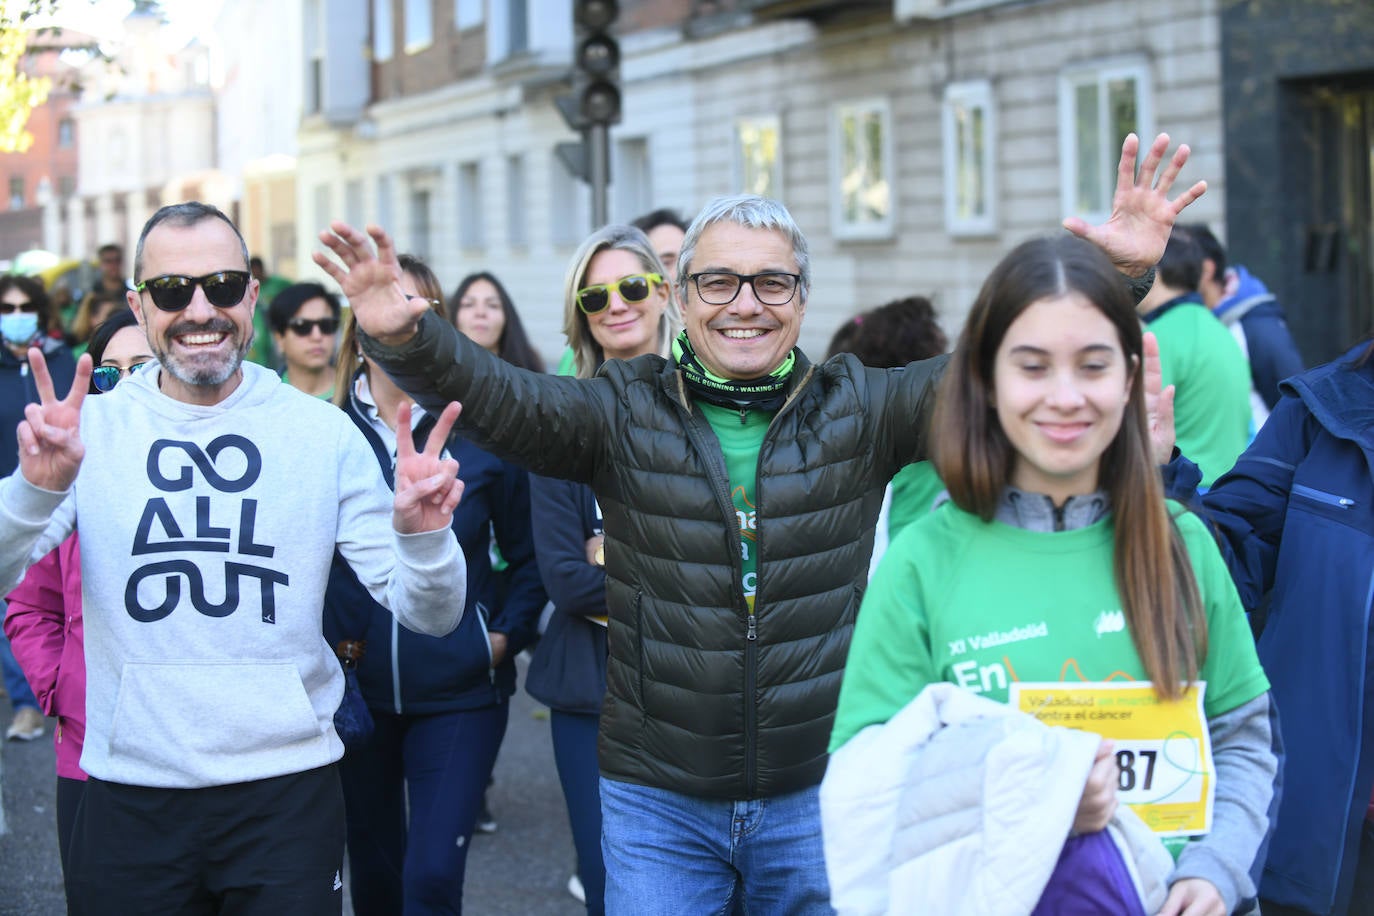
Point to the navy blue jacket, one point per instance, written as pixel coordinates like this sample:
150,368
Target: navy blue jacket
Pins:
1296,514
406,672
1268,342
17,389
568,671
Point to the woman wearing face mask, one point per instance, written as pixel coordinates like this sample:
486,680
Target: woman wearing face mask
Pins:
44,621
440,704
25,319
1057,560
615,306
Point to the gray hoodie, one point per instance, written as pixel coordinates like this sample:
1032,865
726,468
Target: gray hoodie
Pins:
207,535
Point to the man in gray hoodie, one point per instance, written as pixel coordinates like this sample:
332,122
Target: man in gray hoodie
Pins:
211,499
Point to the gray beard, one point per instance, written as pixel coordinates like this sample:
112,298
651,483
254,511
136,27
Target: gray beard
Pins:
206,376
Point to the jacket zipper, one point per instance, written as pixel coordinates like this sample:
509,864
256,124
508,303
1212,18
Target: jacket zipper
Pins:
1329,499
396,663
486,640
733,539
751,652
722,488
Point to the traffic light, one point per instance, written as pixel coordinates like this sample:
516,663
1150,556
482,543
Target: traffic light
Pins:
596,63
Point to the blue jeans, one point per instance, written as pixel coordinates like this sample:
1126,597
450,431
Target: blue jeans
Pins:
574,752
672,854
16,685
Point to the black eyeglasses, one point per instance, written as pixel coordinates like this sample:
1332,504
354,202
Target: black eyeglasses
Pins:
303,327
634,288
721,287
104,378
173,292
10,308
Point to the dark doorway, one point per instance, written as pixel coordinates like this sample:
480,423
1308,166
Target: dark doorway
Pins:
1335,149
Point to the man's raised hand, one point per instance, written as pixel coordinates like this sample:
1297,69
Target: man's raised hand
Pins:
427,486
1142,217
371,281
50,448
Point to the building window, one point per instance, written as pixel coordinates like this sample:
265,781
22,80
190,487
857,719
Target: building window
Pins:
470,205
970,139
516,227
353,203
66,133
419,25
1098,106
420,227
631,180
861,195
384,201
508,32
312,33
17,192
758,163
66,186
324,206
569,205
467,14
383,39
517,27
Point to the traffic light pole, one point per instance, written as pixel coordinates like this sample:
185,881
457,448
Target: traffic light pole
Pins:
599,171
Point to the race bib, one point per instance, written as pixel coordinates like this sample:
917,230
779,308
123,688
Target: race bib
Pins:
1163,748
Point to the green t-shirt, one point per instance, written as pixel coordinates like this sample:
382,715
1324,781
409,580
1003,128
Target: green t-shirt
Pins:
1198,355
568,364
981,604
740,443
913,494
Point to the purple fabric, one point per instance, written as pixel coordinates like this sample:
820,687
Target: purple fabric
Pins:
1090,879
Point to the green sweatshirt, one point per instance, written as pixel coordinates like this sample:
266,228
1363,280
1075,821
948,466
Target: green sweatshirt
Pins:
981,604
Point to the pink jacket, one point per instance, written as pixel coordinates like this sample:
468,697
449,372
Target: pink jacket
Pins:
44,626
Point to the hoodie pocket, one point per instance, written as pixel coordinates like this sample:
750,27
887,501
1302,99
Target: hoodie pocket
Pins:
169,712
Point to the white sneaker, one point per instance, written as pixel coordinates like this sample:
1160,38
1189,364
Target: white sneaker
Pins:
28,724
575,888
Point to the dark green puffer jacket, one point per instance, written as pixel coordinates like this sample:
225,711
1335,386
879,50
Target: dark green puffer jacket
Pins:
695,702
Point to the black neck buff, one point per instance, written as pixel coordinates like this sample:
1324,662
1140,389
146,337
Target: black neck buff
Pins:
765,393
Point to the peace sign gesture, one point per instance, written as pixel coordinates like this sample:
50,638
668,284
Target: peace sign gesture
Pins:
50,447
427,487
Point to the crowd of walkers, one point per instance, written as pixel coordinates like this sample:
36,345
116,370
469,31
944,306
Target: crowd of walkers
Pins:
1072,620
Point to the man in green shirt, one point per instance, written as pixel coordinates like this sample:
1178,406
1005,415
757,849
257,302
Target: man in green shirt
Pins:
1200,358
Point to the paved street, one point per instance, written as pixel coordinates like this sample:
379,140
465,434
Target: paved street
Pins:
521,870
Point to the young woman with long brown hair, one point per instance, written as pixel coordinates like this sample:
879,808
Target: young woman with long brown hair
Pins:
1057,559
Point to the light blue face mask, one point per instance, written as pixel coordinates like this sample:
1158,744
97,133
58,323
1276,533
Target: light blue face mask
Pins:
19,328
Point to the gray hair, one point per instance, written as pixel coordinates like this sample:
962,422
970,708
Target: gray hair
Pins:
184,214
752,212
587,352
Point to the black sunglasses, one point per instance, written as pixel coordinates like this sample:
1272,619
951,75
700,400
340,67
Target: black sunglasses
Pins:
302,327
634,288
173,292
10,308
104,378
